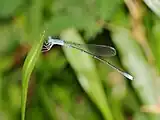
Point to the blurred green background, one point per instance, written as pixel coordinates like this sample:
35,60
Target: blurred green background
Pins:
66,84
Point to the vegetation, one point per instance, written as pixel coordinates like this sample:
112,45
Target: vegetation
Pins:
66,84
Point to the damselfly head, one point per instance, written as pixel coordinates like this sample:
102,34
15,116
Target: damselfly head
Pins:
47,45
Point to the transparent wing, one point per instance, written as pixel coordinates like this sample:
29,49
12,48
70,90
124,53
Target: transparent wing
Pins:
102,50
97,50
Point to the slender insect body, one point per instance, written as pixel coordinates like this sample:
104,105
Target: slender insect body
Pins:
110,51
67,45
56,41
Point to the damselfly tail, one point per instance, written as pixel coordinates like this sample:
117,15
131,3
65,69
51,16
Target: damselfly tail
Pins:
115,68
105,62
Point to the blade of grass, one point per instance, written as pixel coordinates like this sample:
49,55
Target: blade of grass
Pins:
86,73
135,63
48,103
27,70
154,6
133,59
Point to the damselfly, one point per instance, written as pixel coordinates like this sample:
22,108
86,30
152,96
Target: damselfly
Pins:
96,51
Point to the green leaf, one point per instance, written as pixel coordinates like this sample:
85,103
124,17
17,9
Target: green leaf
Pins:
86,73
74,13
154,5
7,7
107,8
61,22
5,63
139,116
133,59
27,70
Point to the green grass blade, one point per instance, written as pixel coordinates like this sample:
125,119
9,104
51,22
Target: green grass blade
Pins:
27,70
133,59
87,73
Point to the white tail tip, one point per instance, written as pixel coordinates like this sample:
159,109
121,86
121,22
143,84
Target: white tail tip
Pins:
128,76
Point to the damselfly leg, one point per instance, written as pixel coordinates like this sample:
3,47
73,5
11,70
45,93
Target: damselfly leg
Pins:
46,46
